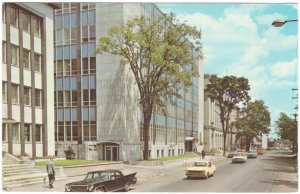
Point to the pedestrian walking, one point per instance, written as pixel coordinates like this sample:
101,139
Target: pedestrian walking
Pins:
51,172
203,154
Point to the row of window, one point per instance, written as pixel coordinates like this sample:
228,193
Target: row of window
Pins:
72,7
26,20
160,134
15,95
68,131
69,98
69,67
27,132
26,59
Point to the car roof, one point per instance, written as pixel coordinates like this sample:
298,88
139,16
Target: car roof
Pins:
112,170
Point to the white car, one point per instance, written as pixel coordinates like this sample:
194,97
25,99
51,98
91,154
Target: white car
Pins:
201,169
239,158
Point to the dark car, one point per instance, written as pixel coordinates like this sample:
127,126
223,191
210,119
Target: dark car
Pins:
103,181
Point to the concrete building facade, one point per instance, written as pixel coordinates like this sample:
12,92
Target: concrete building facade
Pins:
96,100
27,79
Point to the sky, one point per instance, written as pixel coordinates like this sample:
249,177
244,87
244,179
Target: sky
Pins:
238,39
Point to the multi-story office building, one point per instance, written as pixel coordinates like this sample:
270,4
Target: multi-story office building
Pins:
96,100
27,79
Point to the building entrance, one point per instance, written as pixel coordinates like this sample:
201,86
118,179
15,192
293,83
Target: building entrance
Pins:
111,153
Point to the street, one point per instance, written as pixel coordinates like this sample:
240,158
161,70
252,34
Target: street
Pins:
268,173
271,172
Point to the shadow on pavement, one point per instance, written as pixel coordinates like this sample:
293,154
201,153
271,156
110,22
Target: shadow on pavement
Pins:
291,184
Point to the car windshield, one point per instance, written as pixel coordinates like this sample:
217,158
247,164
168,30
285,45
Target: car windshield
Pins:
89,175
252,151
199,164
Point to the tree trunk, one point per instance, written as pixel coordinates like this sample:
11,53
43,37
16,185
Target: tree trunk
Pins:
147,119
224,144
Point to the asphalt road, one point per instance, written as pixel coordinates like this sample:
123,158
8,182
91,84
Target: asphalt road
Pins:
272,172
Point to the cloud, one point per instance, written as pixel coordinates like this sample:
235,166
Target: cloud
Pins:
284,68
267,19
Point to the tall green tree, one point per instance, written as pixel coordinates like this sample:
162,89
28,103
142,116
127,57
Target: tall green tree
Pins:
287,129
228,92
254,122
163,56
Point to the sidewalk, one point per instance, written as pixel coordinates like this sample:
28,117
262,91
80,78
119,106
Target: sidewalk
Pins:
143,174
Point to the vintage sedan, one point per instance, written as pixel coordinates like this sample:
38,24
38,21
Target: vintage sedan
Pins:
252,154
201,169
239,158
103,181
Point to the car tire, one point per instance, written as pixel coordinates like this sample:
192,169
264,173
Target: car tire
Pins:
100,189
207,175
127,186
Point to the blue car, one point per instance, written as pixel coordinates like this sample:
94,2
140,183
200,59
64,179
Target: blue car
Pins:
252,154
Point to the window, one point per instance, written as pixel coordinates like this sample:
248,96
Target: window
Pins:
74,131
14,94
26,59
74,66
92,31
3,52
15,132
61,132
27,132
92,17
4,92
38,95
67,67
93,97
85,66
38,133
74,98
60,67
68,130
93,65
25,21
67,98
36,27
85,94
37,62
60,98
14,55
27,96
4,132
13,16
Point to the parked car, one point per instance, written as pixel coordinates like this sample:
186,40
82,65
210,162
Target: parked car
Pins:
201,169
231,154
252,154
239,158
260,151
103,181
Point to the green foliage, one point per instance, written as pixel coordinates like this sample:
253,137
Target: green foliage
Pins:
228,92
162,54
58,163
255,120
287,127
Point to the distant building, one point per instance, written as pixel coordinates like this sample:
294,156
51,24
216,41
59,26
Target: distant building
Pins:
264,141
27,79
96,101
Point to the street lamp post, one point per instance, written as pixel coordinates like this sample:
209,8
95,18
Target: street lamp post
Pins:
279,23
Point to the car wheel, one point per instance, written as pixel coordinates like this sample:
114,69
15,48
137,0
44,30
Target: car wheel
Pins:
100,189
127,186
207,175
